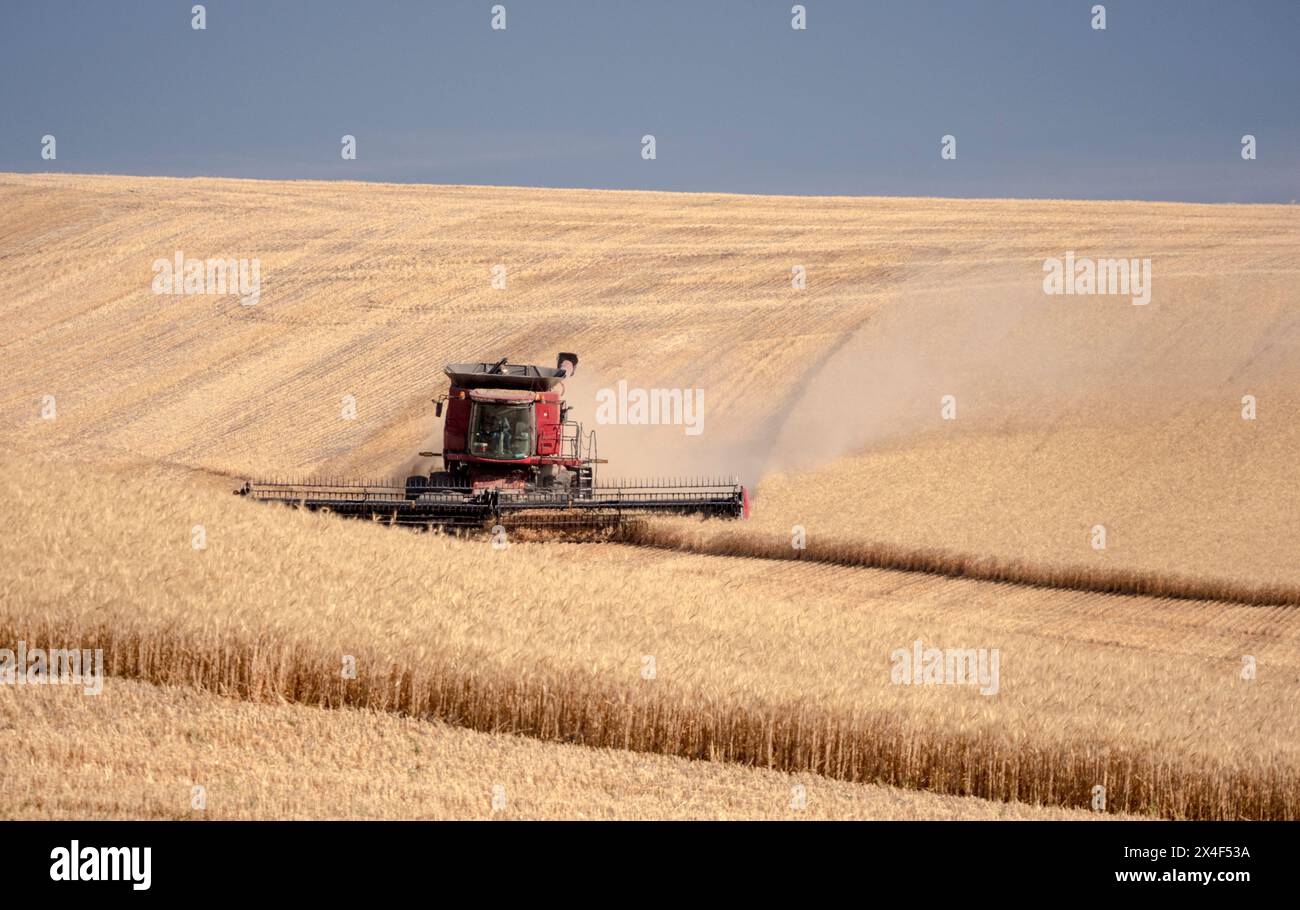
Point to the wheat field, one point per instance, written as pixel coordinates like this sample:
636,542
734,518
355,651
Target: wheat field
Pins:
765,663
139,750
1071,413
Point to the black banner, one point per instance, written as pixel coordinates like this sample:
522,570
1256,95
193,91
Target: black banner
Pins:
333,859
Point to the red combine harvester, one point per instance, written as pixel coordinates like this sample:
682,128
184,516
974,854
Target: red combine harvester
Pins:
510,455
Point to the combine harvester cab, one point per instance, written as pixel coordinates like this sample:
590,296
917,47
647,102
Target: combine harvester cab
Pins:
507,428
511,456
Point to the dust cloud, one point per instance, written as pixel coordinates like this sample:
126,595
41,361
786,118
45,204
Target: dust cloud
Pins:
985,337
1011,357
1016,359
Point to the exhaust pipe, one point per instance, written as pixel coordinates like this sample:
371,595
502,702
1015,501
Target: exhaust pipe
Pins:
567,362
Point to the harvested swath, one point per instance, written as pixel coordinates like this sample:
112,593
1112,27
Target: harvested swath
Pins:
713,538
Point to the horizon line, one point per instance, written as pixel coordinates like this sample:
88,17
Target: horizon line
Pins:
594,189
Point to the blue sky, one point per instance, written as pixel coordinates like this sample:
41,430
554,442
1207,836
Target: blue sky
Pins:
1041,105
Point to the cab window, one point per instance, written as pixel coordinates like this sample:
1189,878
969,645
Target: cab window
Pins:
502,431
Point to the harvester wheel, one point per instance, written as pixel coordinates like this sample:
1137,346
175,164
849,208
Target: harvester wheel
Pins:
415,485
442,479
